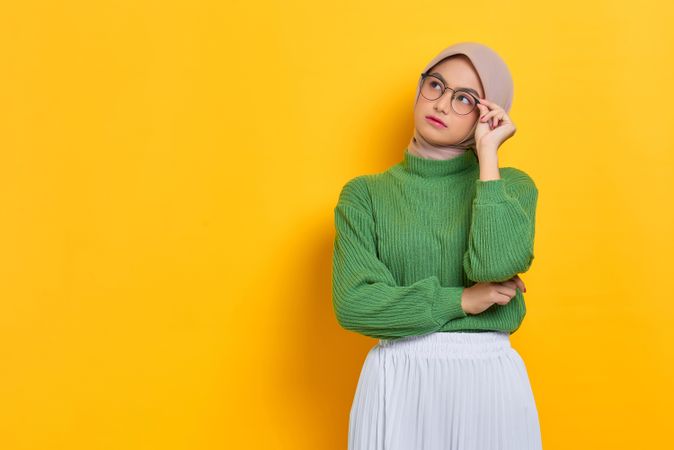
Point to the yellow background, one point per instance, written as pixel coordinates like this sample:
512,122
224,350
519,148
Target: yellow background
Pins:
168,172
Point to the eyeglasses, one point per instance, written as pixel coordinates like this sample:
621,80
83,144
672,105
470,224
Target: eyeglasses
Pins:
433,88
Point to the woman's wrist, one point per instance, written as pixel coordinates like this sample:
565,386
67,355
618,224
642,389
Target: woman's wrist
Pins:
488,160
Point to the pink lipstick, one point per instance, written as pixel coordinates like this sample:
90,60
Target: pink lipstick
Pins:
436,122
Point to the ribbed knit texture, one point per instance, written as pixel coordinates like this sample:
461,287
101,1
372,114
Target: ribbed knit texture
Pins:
410,239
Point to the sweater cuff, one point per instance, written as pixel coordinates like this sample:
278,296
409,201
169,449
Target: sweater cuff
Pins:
490,191
448,305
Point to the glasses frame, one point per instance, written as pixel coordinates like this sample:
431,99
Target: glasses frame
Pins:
424,75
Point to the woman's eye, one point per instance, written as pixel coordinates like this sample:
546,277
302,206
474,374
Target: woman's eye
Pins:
464,98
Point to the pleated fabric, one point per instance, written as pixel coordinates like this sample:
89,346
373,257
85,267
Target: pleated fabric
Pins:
444,390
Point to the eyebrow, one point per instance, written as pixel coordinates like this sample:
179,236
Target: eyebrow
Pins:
436,74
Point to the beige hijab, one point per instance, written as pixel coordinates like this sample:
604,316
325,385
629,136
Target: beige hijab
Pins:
496,81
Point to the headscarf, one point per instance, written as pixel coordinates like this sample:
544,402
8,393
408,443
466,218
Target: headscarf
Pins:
496,82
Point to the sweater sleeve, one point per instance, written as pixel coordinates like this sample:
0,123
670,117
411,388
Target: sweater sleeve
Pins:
366,298
501,238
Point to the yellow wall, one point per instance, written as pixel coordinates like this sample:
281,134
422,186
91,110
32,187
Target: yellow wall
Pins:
167,177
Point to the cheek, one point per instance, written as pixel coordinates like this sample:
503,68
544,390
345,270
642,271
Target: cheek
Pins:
467,122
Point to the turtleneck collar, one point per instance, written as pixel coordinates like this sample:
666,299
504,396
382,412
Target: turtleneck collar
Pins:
435,168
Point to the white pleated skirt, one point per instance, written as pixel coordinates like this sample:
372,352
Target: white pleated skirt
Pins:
444,391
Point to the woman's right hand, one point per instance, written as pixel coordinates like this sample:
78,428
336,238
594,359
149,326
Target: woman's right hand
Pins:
481,296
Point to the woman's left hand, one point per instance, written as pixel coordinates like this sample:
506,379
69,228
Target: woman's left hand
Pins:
494,126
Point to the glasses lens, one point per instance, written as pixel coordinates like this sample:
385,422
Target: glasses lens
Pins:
432,88
463,103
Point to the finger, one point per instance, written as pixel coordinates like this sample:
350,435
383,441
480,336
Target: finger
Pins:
506,119
487,116
483,109
492,116
490,104
520,283
512,284
504,299
498,119
507,290
500,298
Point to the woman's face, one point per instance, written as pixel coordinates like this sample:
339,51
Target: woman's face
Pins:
456,71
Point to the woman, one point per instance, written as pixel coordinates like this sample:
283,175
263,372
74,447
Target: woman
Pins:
426,259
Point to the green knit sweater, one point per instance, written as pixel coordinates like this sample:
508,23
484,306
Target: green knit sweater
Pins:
410,239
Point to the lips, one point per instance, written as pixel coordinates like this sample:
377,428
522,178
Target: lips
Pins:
436,120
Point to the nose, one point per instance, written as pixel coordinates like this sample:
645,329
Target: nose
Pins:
444,103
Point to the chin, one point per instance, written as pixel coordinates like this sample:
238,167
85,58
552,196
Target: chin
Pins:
436,135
